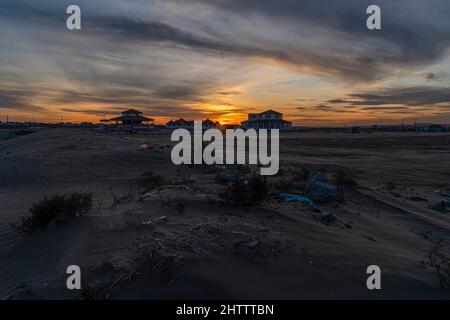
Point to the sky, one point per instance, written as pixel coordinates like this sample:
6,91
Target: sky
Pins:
313,60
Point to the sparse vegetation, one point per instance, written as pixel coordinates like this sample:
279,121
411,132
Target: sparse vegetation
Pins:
439,260
246,192
58,208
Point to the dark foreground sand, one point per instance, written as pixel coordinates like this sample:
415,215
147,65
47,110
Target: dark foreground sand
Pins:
200,250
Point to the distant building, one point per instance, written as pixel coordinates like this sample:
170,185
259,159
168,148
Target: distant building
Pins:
132,117
431,128
180,123
189,124
269,119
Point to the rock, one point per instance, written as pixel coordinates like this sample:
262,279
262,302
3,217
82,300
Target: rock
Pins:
317,188
322,192
162,219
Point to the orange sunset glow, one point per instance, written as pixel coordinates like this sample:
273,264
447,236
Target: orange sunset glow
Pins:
315,73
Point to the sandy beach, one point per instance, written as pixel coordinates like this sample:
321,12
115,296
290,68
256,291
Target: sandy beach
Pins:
177,239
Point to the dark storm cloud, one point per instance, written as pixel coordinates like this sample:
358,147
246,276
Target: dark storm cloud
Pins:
389,108
419,29
413,97
331,108
17,99
401,42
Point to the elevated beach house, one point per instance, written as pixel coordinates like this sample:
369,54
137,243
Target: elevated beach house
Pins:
132,117
269,119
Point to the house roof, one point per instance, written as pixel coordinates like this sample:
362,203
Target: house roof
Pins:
132,111
132,118
180,122
266,121
270,111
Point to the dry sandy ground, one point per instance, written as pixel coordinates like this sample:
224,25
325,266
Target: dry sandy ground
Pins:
201,248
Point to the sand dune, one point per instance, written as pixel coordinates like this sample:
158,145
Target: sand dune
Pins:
176,240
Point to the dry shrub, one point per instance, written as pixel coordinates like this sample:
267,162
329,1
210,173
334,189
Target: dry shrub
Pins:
59,208
246,192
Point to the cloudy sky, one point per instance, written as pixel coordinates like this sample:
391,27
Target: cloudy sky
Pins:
313,60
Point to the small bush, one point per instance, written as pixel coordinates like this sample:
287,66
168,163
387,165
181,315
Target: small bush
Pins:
59,208
246,192
151,179
439,260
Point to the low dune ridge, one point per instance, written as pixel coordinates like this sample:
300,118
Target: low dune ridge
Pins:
160,231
